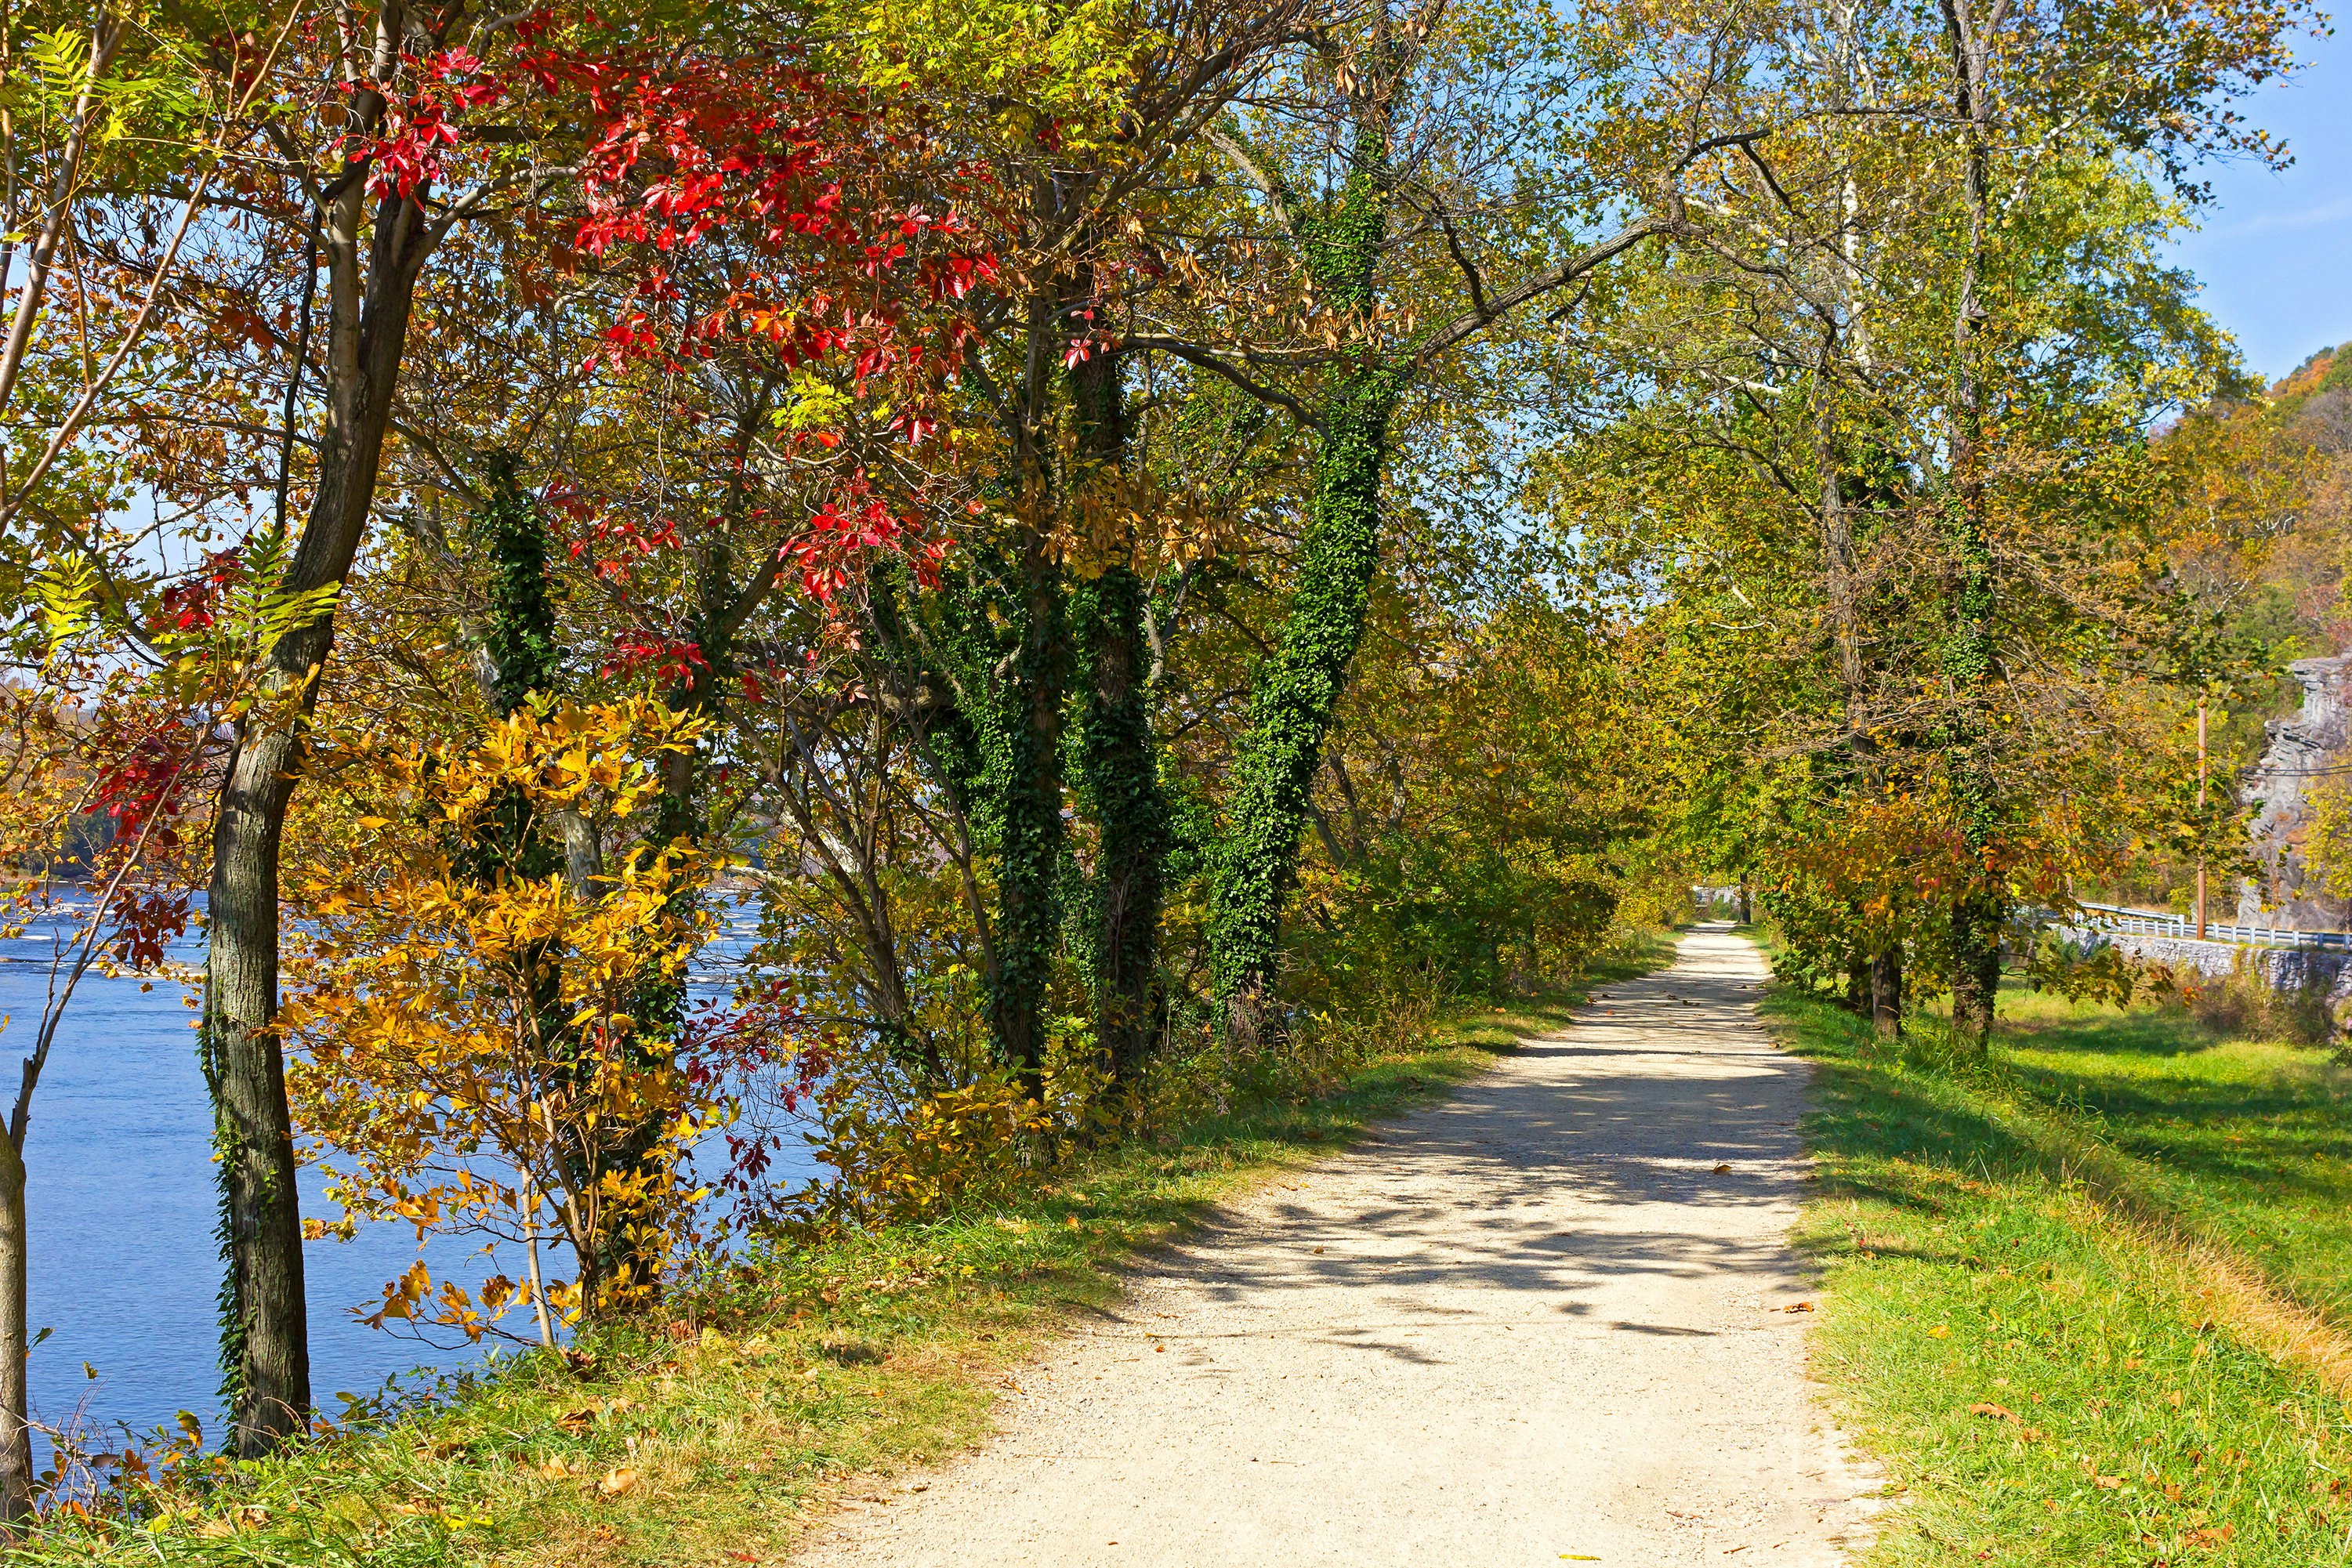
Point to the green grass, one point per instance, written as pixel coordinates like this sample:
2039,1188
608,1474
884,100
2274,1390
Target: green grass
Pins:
1969,1265
804,1372
2250,1140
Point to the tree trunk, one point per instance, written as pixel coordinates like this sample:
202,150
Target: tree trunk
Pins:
265,1348
1298,688
1118,755
16,1345
1121,769
1975,973
1029,845
1969,651
1886,993
265,1318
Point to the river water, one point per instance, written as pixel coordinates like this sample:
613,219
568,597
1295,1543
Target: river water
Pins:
121,1200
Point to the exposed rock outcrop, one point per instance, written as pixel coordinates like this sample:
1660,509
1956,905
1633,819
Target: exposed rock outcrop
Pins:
2301,754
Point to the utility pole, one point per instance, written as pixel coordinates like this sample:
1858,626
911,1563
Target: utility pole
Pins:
2200,818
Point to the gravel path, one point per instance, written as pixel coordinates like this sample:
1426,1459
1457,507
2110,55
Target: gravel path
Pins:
1547,1318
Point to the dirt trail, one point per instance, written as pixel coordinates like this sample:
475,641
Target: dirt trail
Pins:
1535,1322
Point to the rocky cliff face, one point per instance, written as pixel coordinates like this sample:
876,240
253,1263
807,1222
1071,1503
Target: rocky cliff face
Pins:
2301,751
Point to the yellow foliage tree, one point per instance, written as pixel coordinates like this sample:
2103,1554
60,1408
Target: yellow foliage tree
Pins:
469,1055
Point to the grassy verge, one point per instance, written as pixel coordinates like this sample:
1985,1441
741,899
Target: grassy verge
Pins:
2044,1307
812,1372
2248,1140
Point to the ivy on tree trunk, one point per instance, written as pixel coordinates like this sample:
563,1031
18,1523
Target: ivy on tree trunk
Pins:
1118,756
1297,688
1027,773
1120,765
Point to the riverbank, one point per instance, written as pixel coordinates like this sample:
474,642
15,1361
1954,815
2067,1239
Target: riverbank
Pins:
711,1439
2084,1297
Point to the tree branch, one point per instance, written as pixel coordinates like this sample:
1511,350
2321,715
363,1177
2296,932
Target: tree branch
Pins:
1193,355
1481,316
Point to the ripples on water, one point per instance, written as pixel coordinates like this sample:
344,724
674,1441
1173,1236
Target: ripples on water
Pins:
120,1199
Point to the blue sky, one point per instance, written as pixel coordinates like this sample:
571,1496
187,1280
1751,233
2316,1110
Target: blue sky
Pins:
2274,247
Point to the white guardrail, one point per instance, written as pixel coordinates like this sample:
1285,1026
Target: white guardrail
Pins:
2163,923
2149,923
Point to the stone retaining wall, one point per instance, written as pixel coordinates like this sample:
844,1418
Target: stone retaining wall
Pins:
2281,969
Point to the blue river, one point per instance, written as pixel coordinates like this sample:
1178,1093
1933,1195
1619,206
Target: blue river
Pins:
121,1200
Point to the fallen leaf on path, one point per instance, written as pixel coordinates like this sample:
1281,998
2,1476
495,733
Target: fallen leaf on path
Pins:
2107,1483
1996,1411
1799,1307
1939,1332
616,1482
1721,1169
